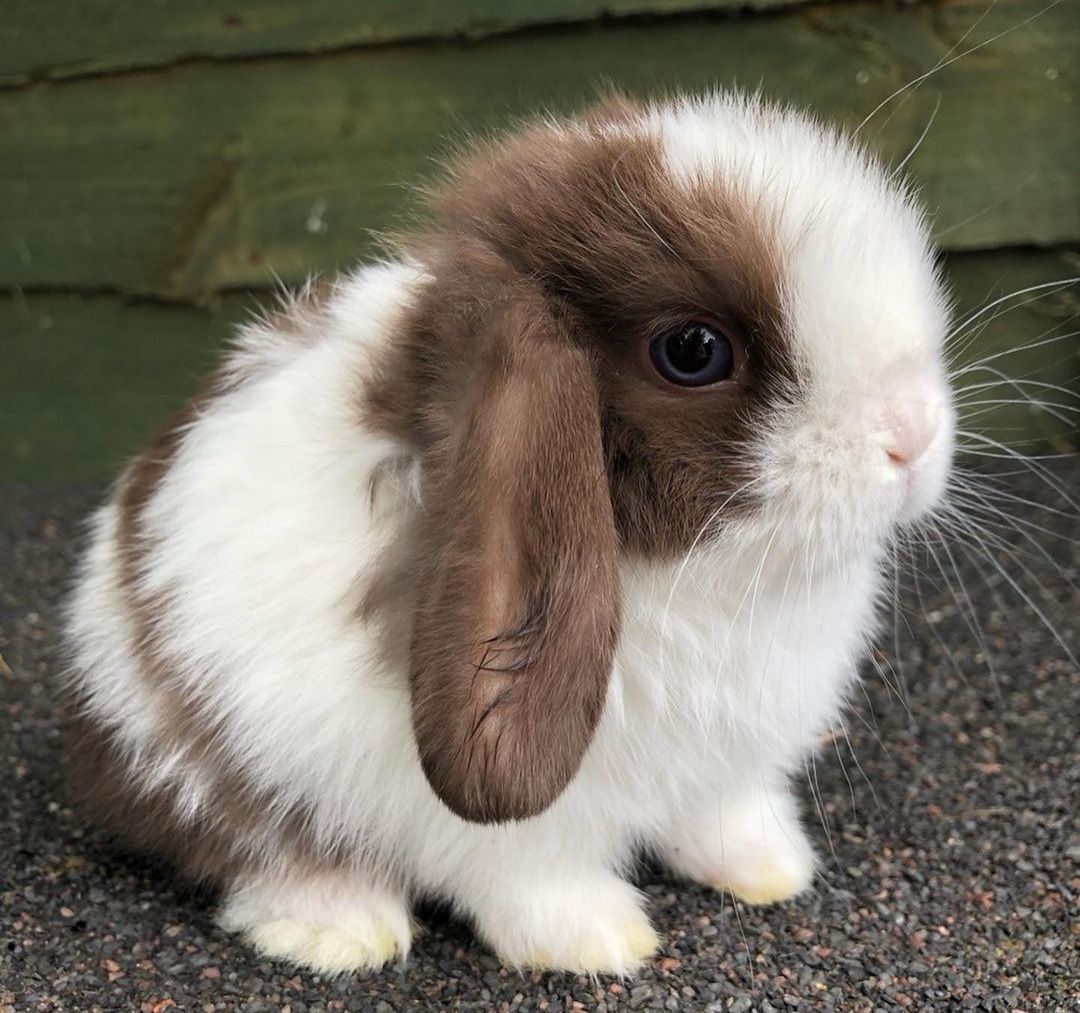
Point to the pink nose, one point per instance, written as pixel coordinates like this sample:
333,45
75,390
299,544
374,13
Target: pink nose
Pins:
909,430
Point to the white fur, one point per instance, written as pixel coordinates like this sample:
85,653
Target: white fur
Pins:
732,662
329,922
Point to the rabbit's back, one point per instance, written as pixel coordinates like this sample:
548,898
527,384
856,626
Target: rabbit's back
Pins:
222,681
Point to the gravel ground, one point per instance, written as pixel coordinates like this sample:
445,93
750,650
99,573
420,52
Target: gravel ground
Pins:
952,879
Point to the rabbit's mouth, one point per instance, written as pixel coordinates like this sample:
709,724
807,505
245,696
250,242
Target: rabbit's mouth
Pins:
924,481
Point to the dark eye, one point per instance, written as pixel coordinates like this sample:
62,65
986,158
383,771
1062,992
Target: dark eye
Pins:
693,355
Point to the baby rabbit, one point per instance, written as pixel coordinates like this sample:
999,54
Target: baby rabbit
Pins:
554,539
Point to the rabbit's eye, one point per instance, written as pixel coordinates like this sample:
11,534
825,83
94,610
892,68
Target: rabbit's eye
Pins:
693,355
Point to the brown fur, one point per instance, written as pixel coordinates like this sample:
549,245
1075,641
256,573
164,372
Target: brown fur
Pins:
612,240
550,444
231,834
517,612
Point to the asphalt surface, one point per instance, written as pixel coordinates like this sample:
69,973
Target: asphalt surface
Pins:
950,824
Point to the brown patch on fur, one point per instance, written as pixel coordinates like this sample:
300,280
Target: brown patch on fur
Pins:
144,476
548,442
231,832
594,217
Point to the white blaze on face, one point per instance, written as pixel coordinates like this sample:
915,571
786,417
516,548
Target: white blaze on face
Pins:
869,443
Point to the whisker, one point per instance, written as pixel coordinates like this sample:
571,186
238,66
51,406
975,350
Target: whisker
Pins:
1031,462
979,512
810,768
966,608
942,63
843,770
872,725
962,477
1004,199
1026,347
897,664
1022,381
899,168
859,768
959,366
1038,291
1024,596
926,612
1055,411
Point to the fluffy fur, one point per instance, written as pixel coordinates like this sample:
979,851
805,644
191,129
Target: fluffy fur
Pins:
279,613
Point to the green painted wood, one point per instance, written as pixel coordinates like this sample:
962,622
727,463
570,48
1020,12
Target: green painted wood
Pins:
87,379
186,181
59,38
1022,342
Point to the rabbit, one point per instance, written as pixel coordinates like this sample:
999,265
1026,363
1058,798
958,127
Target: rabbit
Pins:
552,539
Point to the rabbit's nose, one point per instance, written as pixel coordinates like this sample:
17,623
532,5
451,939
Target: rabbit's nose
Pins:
910,425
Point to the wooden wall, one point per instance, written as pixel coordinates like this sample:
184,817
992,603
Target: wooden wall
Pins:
162,162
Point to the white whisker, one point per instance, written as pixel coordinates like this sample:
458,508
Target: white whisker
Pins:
947,60
899,167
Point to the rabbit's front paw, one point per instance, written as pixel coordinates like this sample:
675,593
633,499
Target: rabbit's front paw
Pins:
589,926
766,876
325,948
756,849
325,923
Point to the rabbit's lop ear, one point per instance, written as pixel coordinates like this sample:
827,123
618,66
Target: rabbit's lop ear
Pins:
517,606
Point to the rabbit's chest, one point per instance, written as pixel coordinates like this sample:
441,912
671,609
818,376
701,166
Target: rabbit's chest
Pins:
709,686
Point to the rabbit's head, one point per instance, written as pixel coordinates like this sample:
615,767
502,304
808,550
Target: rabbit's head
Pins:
646,332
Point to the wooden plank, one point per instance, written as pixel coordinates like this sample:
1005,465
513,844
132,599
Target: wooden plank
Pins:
88,379
42,39
1023,336
207,176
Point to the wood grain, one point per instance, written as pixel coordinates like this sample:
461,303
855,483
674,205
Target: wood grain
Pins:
42,39
185,180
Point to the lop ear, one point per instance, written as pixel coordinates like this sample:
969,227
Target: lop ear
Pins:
518,601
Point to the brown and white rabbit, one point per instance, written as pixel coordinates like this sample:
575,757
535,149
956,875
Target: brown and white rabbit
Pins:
557,538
